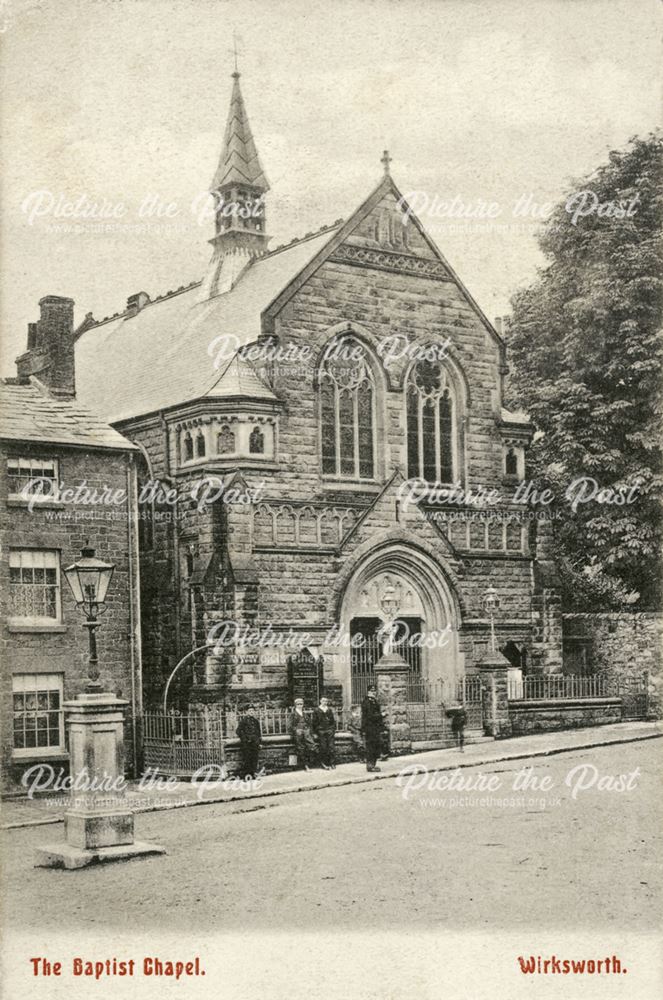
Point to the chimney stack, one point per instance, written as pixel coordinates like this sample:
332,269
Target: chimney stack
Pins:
50,353
137,302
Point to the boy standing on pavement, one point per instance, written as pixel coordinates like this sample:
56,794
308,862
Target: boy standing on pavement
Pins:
301,736
323,726
458,723
250,740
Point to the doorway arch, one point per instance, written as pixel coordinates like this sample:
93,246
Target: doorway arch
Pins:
423,593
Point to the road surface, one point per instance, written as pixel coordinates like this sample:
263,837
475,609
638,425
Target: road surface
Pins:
363,856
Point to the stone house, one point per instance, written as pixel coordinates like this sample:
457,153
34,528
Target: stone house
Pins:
54,452
317,379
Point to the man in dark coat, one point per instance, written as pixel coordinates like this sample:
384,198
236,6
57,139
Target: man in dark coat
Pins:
300,732
372,727
250,741
323,727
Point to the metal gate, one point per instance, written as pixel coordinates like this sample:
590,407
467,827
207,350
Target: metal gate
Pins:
366,650
633,689
427,712
180,744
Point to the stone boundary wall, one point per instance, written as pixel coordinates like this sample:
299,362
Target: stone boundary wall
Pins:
276,750
619,644
552,714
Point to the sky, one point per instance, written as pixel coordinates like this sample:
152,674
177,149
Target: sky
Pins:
121,104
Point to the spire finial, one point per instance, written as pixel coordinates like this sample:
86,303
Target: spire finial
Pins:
236,73
385,161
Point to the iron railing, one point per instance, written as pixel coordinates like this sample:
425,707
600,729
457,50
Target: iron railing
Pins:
213,724
561,687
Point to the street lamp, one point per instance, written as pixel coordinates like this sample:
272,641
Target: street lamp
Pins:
89,579
491,603
389,604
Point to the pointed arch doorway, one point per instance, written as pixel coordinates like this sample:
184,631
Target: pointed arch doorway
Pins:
428,618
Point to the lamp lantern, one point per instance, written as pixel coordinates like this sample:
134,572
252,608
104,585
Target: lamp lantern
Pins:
89,579
491,603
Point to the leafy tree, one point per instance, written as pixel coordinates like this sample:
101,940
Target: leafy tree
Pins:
586,353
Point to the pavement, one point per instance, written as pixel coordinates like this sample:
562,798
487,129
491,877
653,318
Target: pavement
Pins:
164,795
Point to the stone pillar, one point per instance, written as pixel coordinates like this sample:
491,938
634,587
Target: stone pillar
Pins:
494,668
99,823
391,673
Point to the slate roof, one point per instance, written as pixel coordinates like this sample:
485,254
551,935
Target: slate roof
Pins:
239,162
164,355
239,379
28,412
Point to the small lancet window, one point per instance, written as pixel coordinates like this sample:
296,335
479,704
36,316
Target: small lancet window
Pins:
187,448
256,442
200,445
511,463
225,441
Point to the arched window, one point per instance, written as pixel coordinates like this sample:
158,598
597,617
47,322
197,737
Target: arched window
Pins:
225,441
256,441
263,527
200,445
347,413
187,448
431,424
511,463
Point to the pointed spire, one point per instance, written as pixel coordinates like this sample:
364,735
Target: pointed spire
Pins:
238,189
239,163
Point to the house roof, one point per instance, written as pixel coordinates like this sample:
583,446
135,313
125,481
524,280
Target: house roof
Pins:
168,350
28,412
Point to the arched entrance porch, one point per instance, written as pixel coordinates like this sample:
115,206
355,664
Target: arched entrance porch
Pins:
428,611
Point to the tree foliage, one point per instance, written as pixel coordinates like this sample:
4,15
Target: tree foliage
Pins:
586,351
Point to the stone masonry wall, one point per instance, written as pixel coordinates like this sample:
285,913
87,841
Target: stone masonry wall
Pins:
620,644
539,717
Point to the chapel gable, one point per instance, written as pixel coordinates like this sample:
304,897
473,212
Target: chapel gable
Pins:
388,237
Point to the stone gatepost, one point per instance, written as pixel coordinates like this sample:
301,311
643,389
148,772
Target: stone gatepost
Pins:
391,672
494,668
99,823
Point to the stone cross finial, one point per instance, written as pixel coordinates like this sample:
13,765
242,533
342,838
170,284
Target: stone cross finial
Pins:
385,161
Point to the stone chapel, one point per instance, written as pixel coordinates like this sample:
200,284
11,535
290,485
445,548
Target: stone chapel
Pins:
319,428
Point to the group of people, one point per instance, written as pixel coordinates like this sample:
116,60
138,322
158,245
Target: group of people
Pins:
314,738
